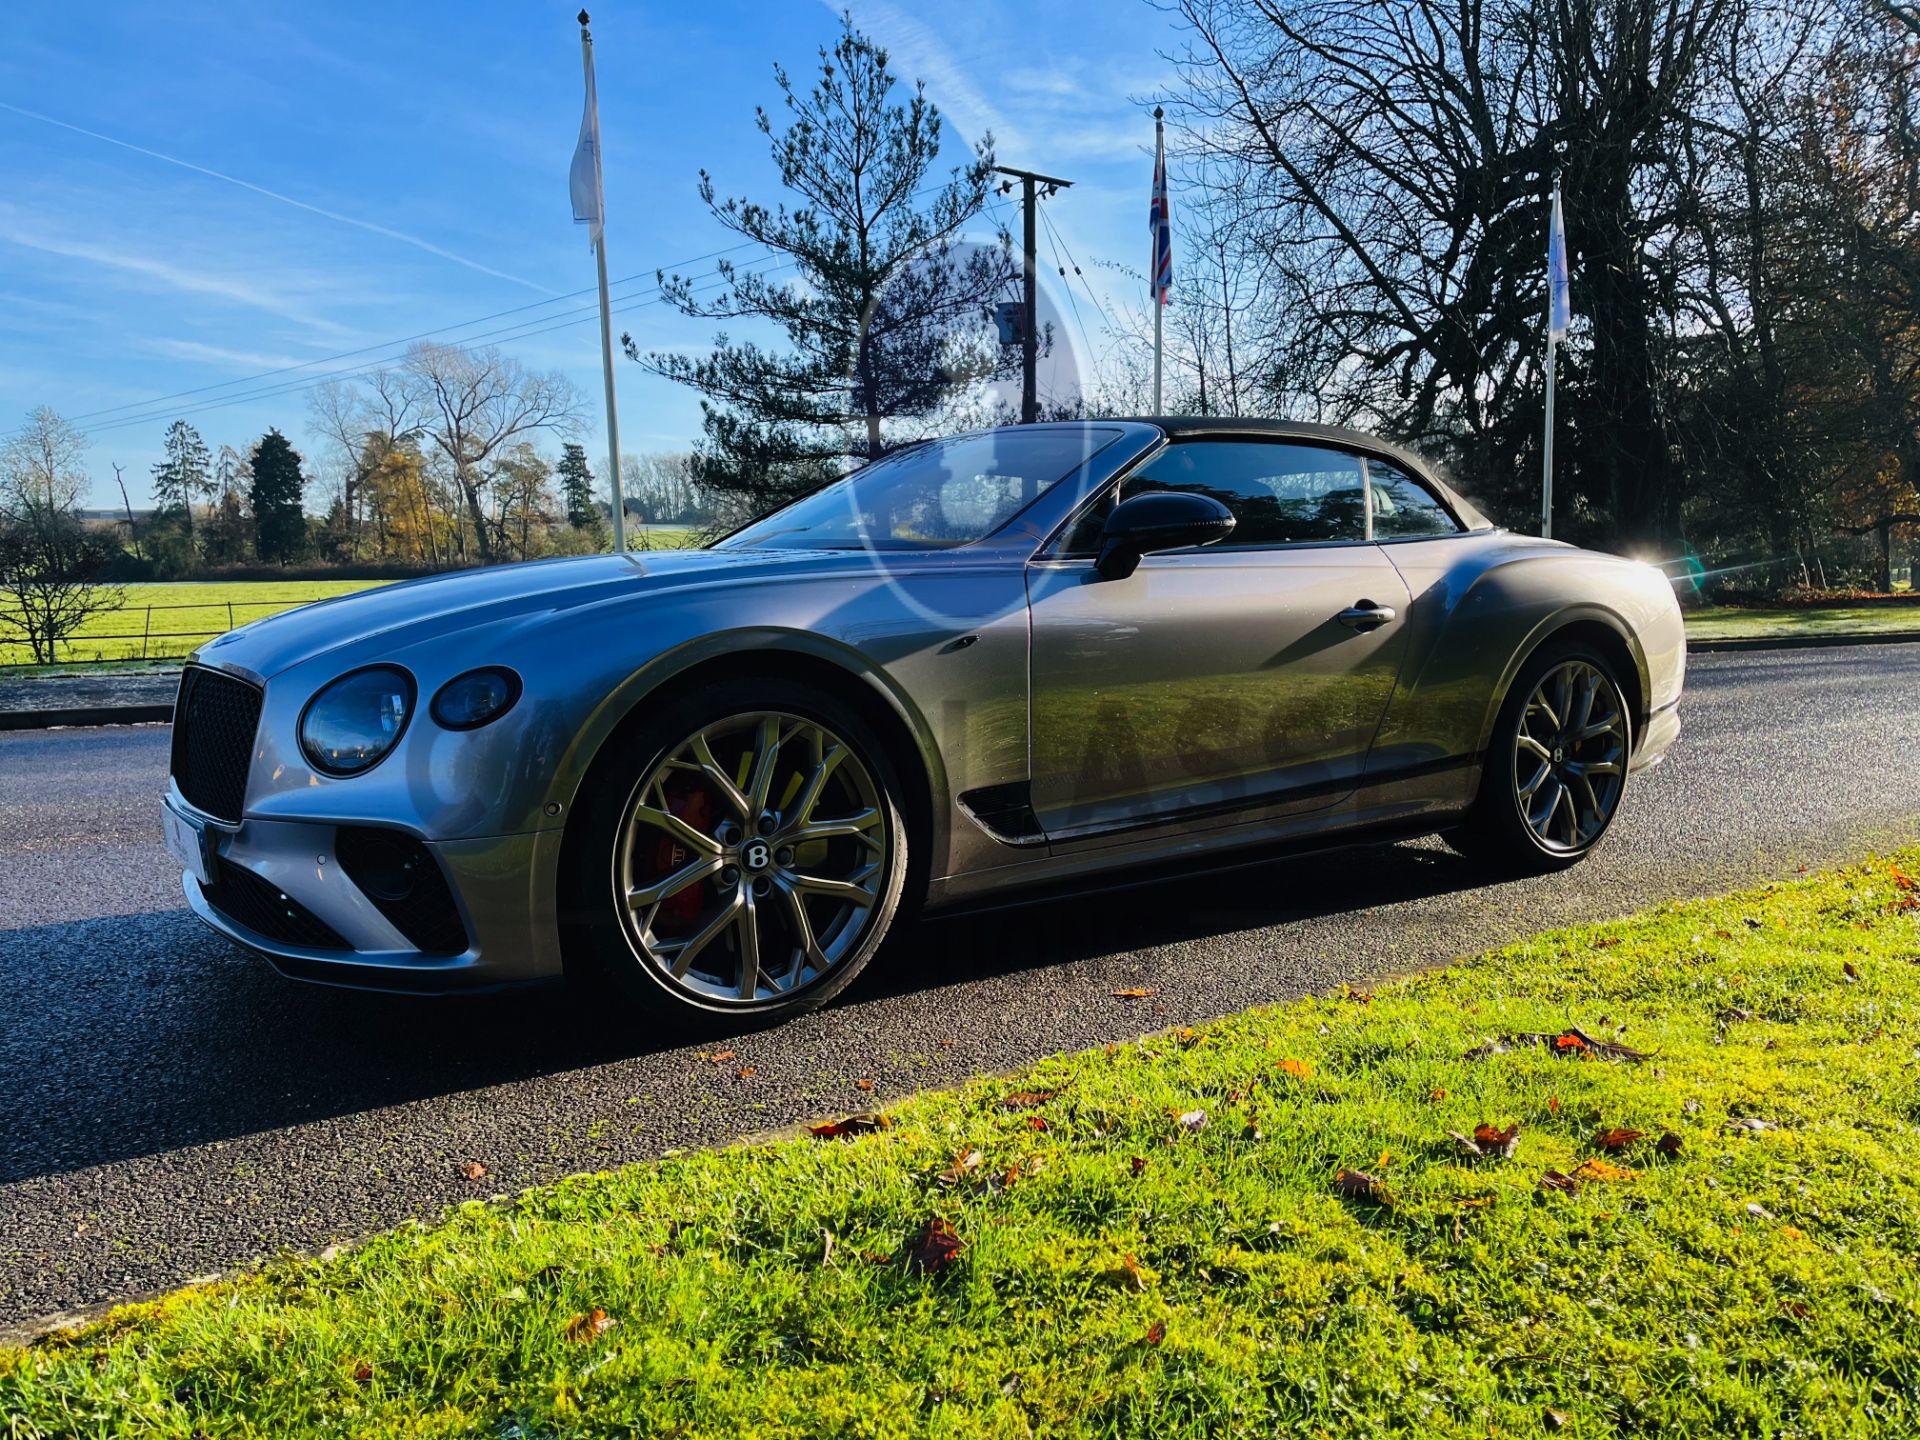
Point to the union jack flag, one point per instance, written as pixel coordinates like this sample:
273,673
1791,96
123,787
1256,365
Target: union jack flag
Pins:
1160,220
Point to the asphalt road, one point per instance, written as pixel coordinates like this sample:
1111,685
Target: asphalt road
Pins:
173,1108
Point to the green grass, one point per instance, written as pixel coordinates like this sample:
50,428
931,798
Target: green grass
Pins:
1728,622
1122,1274
187,614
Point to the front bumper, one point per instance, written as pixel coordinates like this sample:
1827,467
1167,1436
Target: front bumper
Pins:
503,887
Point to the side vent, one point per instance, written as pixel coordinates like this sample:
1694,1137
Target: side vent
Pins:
1005,812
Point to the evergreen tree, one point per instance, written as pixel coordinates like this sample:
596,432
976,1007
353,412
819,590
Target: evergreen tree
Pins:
184,478
885,320
576,486
279,523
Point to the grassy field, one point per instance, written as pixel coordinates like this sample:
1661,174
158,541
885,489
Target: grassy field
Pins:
1726,622
1263,1226
188,613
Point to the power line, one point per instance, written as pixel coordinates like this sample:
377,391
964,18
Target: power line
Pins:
1053,242
357,372
404,340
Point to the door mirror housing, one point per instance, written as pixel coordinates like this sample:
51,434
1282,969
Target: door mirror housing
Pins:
1158,520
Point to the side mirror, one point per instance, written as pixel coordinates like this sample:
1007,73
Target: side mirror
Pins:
1158,520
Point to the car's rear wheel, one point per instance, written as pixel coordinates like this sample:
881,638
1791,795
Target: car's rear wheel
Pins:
745,855
1556,766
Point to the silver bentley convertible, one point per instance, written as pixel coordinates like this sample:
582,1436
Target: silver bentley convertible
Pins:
1025,657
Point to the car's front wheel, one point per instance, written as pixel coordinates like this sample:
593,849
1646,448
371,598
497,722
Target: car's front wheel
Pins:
745,855
1556,765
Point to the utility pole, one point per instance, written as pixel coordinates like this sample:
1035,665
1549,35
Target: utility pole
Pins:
1029,309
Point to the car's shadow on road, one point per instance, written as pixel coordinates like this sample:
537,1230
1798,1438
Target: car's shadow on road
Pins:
133,1036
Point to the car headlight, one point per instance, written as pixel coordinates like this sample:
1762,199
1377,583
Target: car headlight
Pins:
350,725
469,701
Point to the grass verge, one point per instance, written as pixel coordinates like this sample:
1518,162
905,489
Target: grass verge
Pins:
1152,1239
1738,622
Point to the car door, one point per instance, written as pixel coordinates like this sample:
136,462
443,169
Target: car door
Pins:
1215,685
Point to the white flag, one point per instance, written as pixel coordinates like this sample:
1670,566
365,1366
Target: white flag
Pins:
589,206
1559,292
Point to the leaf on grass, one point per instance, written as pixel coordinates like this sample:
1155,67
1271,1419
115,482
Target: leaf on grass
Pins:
863,1123
934,1248
826,1248
1668,1143
964,1164
1757,1211
1849,972
583,1329
1798,1309
1139,1164
1359,1185
1565,1184
1192,1121
1553,1104
1299,1069
363,1372
1751,1124
474,1170
1555,1419
1156,1332
1027,1099
1437,1096
1137,992
1035,1122
1126,1275
1600,1170
1486,1051
1617,1138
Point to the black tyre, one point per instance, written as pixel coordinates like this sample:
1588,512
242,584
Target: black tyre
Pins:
1556,766
743,855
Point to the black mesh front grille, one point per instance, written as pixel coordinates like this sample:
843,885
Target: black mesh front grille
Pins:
213,724
400,876
258,905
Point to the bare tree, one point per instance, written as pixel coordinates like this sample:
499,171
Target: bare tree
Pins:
472,404
50,563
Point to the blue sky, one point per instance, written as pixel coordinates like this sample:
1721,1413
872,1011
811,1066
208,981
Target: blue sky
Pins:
395,169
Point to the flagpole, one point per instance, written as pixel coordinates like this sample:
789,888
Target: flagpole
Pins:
1159,300
1546,447
606,309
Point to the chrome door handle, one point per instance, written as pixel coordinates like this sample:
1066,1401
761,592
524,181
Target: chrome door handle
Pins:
1367,616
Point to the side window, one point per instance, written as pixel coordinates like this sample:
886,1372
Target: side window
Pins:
1403,508
1279,494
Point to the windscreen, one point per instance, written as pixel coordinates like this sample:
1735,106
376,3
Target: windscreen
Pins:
932,497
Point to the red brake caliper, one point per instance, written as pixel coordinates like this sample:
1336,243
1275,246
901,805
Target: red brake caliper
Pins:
693,805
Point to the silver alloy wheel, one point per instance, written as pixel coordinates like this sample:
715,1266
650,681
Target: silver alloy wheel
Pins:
1570,756
751,858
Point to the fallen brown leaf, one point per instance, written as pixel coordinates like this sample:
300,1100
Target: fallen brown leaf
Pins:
1617,1139
1156,1332
1555,1419
1849,972
363,1372
1137,992
1437,1096
863,1123
474,1170
1751,1124
1668,1144
1126,1275
1139,1165
964,1164
1798,1309
582,1329
1553,1104
1027,1099
863,1084
1554,1180
719,1057
1299,1069
934,1248
1192,1120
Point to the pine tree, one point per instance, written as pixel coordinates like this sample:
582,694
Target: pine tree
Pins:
183,478
576,486
885,321
279,523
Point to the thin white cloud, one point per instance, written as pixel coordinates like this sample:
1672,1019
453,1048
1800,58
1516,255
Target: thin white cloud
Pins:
220,354
334,215
169,275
